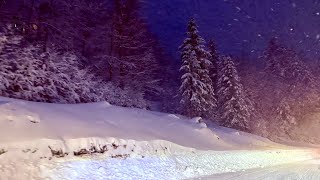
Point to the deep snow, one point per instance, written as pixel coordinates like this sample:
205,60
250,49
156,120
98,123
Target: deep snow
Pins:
101,141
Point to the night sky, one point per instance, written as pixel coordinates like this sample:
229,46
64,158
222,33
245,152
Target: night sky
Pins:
239,26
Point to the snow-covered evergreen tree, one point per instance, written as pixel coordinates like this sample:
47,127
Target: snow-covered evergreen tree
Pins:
285,64
26,72
214,59
289,87
197,95
234,107
285,117
133,59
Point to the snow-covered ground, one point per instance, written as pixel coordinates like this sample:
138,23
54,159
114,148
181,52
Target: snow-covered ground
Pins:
101,141
309,170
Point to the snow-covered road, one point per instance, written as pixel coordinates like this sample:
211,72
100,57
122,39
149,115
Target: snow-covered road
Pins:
307,170
187,166
244,164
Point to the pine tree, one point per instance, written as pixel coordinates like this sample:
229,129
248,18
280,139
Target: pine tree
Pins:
285,117
134,59
292,85
285,64
197,95
214,58
233,105
128,34
269,56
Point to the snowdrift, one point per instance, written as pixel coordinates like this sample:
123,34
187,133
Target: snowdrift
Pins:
28,121
101,141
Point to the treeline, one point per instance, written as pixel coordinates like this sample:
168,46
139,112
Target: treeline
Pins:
104,46
78,51
272,96
211,84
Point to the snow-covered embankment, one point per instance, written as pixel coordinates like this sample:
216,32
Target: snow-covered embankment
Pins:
100,141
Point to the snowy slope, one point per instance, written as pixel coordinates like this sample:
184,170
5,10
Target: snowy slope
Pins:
101,141
103,120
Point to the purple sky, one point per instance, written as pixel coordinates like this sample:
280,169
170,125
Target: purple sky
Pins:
240,25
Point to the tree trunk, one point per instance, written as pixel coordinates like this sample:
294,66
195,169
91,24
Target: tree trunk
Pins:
45,40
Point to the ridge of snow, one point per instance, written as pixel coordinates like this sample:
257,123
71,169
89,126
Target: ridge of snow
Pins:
100,141
148,160
62,121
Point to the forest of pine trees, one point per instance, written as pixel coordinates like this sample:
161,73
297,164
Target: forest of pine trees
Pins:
63,51
209,90
102,47
247,97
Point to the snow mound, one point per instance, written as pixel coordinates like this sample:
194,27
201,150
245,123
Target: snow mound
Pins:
12,112
130,159
105,104
203,125
199,122
173,116
61,121
196,120
111,158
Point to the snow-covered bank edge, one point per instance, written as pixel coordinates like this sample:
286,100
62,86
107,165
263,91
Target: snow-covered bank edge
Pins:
109,147
111,158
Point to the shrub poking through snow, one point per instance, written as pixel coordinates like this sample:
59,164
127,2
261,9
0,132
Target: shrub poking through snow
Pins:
2,151
29,150
99,150
57,153
121,156
26,150
114,146
93,150
81,152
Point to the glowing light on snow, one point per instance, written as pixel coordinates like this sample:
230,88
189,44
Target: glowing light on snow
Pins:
174,167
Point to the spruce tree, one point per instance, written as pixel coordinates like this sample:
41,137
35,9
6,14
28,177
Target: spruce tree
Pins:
132,49
233,105
197,95
285,64
292,85
214,58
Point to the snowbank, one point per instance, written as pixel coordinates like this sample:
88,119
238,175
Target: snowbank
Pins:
26,121
100,141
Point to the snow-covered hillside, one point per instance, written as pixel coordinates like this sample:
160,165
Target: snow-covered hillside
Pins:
101,141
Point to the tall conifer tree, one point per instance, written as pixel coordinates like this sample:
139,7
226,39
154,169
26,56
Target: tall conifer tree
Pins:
235,109
197,95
